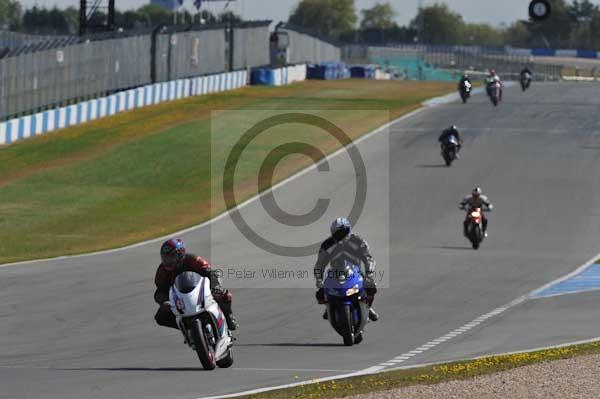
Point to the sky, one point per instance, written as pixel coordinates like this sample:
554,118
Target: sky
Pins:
494,12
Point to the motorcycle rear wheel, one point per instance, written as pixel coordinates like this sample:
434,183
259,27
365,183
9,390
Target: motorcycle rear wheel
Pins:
205,352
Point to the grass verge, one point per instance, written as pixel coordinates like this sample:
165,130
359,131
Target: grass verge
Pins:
426,375
146,173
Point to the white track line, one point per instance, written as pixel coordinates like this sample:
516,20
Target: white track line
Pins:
476,322
375,369
387,366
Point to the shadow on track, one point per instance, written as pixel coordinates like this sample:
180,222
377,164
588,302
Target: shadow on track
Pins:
454,247
301,345
432,166
161,369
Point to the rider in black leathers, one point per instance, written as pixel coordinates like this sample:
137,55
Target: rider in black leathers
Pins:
449,132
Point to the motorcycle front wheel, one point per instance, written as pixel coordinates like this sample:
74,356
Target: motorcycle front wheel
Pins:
206,353
227,361
346,319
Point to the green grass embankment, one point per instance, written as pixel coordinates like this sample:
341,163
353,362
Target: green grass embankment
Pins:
146,173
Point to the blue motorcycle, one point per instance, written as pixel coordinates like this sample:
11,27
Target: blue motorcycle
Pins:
347,310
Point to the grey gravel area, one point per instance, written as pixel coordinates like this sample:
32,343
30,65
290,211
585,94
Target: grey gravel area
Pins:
578,377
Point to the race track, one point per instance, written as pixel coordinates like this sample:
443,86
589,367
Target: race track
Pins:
83,327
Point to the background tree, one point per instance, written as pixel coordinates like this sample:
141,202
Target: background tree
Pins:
10,14
380,16
327,17
155,15
43,21
229,16
437,24
517,34
554,32
482,34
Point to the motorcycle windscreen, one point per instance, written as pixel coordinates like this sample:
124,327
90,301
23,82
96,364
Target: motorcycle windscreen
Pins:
187,281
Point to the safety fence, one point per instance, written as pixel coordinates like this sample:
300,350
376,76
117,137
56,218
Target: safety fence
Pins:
45,75
294,45
446,63
86,111
12,40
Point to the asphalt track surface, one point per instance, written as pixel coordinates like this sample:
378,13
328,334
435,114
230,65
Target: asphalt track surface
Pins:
83,327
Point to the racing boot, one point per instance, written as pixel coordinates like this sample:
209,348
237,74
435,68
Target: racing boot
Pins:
373,316
325,315
225,305
232,323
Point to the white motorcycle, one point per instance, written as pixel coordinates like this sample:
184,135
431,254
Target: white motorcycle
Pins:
200,320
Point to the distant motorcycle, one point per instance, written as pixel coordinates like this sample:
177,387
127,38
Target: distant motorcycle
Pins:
465,91
449,150
493,91
475,227
200,320
347,309
525,80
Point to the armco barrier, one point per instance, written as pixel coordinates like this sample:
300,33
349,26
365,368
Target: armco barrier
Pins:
586,54
48,121
566,53
543,52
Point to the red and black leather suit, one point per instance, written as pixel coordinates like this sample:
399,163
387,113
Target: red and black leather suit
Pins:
165,277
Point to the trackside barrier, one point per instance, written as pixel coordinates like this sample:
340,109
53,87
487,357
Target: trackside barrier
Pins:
328,71
48,121
579,79
76,114
296,73
278,76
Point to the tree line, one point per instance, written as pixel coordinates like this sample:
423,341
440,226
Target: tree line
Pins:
55,21
574,24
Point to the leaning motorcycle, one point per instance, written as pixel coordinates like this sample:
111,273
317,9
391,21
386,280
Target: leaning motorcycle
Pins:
449,150
525,80
474,230
200,320
493,91
345,296
465,91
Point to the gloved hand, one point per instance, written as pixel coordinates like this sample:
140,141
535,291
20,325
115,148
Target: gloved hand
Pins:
320,295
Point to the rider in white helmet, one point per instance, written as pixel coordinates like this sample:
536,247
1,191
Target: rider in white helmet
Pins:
476,200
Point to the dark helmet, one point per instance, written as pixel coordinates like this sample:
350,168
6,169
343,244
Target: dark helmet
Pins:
453,129
172,252
340,228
